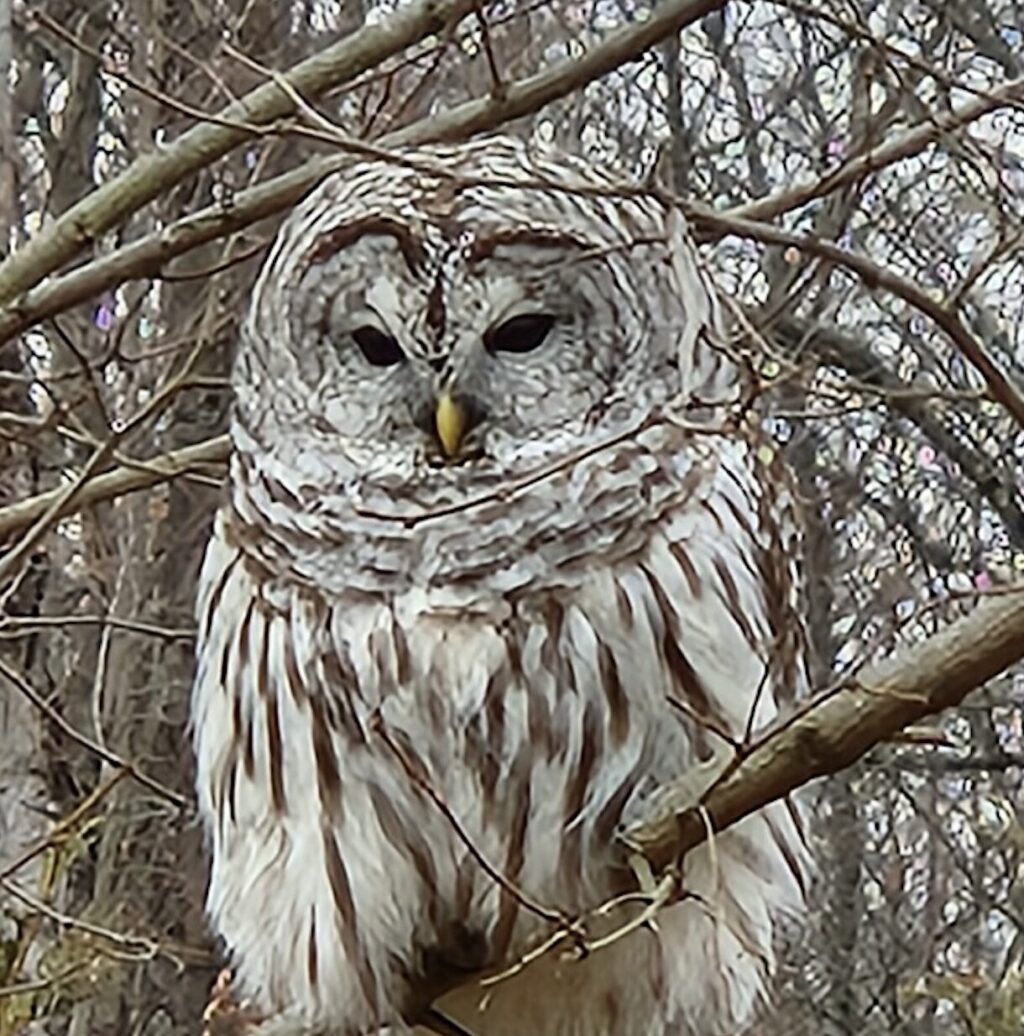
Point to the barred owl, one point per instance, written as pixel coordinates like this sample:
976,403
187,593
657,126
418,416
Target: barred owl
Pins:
498,562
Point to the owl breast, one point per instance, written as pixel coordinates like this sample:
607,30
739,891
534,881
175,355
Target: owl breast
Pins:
407,789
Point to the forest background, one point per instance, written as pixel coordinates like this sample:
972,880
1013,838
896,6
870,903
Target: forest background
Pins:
854,172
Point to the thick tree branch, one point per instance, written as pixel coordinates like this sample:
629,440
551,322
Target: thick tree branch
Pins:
934,674
531,94
152,173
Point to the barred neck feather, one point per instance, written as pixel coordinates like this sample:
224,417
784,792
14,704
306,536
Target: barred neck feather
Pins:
458,531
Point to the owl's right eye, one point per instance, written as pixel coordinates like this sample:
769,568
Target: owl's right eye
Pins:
379,348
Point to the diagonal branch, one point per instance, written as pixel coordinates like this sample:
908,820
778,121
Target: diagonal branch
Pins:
531,94
151,174
912,142
116,482
147,256
1002,389
934,674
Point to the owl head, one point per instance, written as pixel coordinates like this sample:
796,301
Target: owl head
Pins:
457,312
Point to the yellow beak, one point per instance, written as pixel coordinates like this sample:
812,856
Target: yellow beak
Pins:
450,419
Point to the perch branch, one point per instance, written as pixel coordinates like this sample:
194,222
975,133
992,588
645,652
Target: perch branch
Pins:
882,698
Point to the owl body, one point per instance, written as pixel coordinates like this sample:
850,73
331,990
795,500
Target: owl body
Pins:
433,685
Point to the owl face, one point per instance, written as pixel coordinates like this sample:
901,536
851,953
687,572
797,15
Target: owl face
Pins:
499,313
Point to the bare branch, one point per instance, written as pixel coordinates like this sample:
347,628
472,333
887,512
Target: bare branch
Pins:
934,674
875,276
831,346
531,94
116,482
870,161
152,173
147,256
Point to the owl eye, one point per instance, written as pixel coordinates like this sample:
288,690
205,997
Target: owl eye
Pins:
379,348
521,334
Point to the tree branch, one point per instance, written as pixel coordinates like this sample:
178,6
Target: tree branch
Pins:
912,142
932,675
116,482
147,256
152,173
1003,391
830,346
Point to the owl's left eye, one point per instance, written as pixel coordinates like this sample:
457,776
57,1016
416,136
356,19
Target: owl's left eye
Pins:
520,334
379,348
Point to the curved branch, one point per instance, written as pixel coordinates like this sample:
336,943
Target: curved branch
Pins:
934,674
147,256
154,172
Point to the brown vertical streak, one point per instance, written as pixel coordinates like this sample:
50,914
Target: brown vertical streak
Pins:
435,307
515,661
688,569
225,660
379,652
402,660
519,780
312,953
550,654
292,677
624,606
244,649
683,673
407,841
275,754
740,517
249,751
242,734
341,892
328,779
489,773
713,514
618,705
263,663
230,784
494,710
340,685
571,854
576,791
215,597
732,599
538,716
